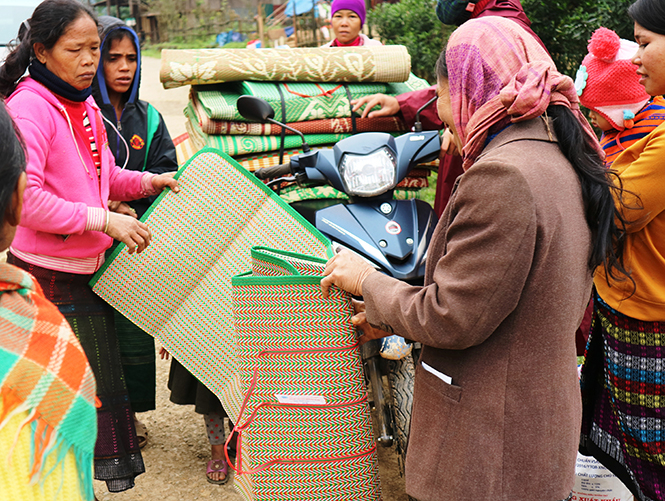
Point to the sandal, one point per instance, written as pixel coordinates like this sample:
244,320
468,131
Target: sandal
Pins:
141,433
215,466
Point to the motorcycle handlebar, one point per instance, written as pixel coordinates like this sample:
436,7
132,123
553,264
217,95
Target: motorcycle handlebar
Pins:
276,171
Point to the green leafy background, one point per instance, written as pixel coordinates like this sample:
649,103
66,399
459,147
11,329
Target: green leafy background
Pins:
564,26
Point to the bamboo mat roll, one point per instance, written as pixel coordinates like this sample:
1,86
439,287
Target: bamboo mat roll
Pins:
386,63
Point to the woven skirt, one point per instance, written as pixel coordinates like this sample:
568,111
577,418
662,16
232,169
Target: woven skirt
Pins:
118,459
187,390
623,396
137,352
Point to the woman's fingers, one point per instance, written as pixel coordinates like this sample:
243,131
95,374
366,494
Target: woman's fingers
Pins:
141,237
358,306
359,318
360,102
165,180
388,105
133,233
347,271
448,145
371,103
124,208
144,232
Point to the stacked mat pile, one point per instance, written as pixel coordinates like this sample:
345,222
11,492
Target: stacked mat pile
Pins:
310,89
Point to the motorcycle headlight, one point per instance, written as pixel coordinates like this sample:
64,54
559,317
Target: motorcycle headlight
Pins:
368,175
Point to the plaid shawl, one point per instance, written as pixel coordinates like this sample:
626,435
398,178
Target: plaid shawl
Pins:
43,370
499,74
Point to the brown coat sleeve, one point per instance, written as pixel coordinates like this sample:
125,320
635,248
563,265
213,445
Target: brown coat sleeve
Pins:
480,270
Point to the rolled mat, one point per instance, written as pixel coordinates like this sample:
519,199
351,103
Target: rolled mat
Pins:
244,145
179,289
295,102
294,193
386,63
324,126
304,428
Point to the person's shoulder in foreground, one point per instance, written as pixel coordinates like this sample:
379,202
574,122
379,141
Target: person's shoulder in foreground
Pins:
48,421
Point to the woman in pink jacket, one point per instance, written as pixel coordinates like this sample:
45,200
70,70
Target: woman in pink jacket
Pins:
66,224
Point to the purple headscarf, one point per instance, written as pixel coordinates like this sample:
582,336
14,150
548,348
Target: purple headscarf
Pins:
357,6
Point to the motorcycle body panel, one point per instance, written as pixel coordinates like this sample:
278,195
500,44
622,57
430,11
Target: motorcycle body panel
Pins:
409,149
396,240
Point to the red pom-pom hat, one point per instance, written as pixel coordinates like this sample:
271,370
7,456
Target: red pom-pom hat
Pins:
607,82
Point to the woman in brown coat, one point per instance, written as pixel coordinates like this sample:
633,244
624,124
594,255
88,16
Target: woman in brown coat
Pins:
497,408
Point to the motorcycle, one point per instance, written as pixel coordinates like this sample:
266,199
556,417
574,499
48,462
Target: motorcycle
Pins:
392,235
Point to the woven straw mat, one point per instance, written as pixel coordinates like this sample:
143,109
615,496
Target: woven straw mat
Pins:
387,63
179,288
244,145
322,126
305,428
302,101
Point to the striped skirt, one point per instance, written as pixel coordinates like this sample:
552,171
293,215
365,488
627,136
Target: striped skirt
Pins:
623,396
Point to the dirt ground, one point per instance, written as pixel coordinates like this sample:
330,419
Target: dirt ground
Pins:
177,449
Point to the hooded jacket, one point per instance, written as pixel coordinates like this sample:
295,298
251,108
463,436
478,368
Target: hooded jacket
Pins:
133,123
64,200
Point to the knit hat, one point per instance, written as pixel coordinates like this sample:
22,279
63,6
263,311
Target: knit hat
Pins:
607,81
357,6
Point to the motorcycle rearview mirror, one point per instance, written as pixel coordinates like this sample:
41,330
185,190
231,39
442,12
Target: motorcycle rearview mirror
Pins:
256,109
418,126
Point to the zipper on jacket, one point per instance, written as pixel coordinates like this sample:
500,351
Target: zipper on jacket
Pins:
117,139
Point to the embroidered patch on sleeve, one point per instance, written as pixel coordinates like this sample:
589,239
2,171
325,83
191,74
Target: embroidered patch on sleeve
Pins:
136,142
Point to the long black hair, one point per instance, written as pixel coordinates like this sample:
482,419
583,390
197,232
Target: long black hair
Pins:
600,188
49,21
12,159
649,14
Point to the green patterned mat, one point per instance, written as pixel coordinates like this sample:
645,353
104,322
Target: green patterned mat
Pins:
302,101
386,63
235,145
179,289
294,194
324,126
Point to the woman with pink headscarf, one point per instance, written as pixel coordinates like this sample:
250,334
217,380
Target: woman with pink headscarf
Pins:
496,409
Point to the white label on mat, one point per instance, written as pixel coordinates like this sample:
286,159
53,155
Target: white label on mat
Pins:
301,399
